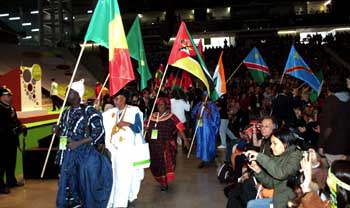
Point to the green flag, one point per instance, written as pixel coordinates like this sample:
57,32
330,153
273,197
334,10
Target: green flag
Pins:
314,95
137,51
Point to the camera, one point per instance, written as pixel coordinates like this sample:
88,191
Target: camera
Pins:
247,159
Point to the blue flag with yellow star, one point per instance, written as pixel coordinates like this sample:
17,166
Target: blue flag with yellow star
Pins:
256,65
297,68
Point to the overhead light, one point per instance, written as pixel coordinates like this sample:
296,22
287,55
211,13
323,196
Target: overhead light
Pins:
27,37
285,32
140,15
27,24
65,18
327,2
342,29
228,9
89,11
208,10
73,17
34,12
14,18
4,15
35,30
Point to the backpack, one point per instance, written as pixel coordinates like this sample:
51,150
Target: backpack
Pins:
225,173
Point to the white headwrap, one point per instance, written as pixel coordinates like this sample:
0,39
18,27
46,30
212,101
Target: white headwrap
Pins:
79,87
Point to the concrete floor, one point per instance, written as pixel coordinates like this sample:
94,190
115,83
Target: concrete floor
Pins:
191,188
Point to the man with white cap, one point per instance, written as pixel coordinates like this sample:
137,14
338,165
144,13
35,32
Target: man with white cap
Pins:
10,128
85,175
122,125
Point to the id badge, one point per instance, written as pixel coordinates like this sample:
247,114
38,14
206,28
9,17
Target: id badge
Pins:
154,134
63,143
200,123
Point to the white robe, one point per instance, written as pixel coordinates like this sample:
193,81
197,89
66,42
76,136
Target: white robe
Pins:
126,178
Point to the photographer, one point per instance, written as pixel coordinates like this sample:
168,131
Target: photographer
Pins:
274,172
246,190
10,128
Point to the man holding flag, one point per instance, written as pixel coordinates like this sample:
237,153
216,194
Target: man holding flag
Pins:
219,95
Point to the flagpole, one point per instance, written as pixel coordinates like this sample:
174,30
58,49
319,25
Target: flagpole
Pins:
282,78
155,100
234,72
100,93
174,81
301,85
62,107
195,131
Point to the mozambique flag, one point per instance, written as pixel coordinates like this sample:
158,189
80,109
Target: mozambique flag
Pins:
297,68
219,80
182,53
257,66
106,28
200,49
137,51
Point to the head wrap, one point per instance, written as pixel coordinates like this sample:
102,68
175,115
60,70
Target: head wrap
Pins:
165,100
79,87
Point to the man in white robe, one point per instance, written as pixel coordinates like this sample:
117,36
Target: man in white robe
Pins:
122,123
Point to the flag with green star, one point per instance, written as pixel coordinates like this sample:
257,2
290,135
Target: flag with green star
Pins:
257,66
137,51
297,68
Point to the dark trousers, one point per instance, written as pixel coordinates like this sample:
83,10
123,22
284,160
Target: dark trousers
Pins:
241,194
8,165
55,102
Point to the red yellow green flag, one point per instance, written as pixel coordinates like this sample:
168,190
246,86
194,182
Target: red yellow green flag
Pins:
182,53
106,28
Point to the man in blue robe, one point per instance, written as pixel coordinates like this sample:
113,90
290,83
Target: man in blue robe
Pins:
208,124
86,175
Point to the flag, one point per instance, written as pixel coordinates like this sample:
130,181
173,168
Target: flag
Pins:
219,80
106,28
256,65
314,94
181,56
176,83
159,75
297,68
170,81
137,51
200,49
186,81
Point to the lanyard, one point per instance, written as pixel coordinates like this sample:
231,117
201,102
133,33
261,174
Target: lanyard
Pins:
121,114
164,114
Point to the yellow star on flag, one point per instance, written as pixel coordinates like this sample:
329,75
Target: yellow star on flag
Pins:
296,55
256,56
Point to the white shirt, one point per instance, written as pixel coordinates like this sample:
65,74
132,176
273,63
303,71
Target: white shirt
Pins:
54,87
178,107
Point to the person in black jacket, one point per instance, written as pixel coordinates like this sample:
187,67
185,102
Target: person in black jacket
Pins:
282,108
10,128
334,140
